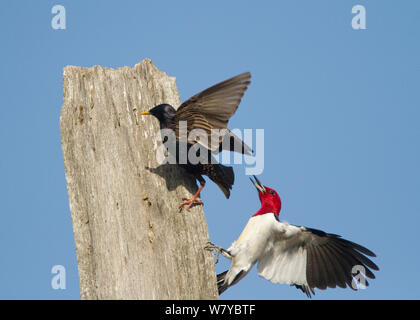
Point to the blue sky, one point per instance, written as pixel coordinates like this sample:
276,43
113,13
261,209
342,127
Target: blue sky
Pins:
340,109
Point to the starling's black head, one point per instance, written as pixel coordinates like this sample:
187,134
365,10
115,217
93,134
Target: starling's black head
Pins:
165,113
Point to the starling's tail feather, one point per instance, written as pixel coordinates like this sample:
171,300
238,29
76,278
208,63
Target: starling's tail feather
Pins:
224,177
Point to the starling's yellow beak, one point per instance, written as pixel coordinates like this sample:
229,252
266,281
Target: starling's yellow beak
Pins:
145,113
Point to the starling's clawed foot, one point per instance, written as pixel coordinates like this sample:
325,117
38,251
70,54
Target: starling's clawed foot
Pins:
217,250
190,202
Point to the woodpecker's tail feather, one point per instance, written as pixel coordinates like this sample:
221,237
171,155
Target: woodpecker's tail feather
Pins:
224,177
221,285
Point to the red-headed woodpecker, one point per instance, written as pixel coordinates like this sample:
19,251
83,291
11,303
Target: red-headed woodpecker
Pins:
302,257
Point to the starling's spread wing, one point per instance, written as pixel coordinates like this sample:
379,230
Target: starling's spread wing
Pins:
217,103
212,109
232,142
309,258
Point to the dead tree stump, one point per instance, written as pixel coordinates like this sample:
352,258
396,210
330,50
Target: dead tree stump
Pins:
131,240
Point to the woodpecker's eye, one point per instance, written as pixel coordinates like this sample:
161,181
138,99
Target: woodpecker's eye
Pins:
271,192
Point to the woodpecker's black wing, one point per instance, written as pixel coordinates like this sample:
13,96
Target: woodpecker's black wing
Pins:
212,109
309,258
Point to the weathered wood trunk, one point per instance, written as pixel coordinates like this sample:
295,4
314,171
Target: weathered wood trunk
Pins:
132,242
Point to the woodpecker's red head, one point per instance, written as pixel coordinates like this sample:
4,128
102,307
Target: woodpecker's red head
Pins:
270,200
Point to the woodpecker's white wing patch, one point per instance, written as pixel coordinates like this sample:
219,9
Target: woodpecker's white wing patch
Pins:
310,258
285,257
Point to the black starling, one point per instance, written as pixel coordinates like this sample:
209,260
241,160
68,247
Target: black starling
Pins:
210,109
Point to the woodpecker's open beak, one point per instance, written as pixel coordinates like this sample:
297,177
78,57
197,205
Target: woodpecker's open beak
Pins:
145,113
257,183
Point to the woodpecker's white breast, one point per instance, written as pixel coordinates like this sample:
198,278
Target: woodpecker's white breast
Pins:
255,234
251,244
274,245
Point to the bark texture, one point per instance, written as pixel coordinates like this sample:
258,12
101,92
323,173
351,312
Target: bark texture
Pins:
131,240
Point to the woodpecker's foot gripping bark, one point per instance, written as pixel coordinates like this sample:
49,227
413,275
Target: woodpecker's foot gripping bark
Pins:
192,201
217,250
